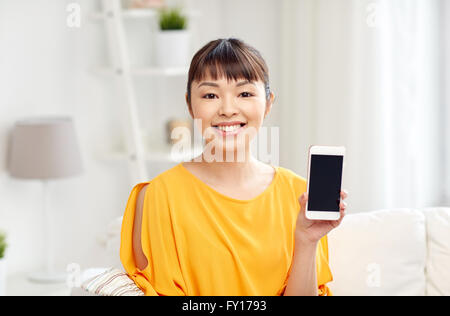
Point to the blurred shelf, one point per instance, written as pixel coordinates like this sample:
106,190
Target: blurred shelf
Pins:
139,14
20,285
128,13
145,71
113,15
155,156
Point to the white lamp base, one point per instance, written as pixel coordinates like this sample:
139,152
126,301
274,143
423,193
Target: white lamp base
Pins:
48,274
47,277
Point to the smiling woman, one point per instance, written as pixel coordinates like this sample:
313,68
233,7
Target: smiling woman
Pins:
225,227
228,93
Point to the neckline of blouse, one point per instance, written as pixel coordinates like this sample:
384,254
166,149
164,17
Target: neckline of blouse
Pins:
268,189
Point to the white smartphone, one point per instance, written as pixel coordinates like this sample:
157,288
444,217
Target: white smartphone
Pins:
325,173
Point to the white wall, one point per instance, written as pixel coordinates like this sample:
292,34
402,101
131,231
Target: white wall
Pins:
45,69
445,27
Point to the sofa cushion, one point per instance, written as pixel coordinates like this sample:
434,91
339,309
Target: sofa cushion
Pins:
438,259
112,282
379,253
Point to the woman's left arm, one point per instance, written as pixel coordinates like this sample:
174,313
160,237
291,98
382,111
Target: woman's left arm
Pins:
303,277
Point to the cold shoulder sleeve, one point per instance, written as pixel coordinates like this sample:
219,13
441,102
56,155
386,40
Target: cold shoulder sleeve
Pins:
323,269
162,276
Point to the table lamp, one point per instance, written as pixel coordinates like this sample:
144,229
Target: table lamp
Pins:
45,148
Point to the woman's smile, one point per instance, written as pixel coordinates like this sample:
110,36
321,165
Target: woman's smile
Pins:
227,129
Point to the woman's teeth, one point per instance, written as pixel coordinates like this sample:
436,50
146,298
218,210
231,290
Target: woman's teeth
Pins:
229,128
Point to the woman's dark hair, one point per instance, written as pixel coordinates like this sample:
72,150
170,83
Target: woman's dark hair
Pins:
230,58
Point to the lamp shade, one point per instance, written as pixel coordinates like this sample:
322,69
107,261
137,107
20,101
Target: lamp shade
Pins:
44,148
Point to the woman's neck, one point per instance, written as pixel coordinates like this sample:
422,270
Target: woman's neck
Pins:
232,172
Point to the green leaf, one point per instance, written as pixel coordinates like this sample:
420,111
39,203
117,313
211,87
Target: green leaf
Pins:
3,244
172,19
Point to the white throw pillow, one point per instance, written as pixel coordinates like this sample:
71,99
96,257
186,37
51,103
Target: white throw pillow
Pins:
112,282
379,253
438,261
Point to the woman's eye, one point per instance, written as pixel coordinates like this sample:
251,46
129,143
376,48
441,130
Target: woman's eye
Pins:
212,95
207,96
246,94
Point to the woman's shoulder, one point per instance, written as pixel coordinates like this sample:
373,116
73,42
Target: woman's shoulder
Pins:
168,178
290,174
292,179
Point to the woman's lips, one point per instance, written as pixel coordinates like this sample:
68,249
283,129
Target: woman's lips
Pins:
231,133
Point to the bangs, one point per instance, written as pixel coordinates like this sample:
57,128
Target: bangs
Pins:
230,59
228,64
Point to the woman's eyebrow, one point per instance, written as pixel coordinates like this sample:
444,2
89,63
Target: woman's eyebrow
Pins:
212,84
243,83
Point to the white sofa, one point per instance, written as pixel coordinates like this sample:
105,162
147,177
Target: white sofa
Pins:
386,252
392,252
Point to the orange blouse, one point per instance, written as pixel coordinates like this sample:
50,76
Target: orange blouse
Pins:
198,241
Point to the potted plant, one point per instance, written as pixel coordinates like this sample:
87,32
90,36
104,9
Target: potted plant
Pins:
172,39
3,246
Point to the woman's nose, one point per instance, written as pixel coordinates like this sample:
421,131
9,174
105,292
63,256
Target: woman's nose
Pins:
228,107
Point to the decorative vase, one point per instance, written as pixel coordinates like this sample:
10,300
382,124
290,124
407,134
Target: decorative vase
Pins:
3,277
172,48
143,4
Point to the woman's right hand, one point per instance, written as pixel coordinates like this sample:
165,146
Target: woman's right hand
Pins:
311,231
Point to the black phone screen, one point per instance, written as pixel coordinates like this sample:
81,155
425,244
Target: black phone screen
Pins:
325,183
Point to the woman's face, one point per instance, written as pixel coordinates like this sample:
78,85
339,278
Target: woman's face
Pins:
219,103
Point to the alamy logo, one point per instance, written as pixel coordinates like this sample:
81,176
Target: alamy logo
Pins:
374,275
74,17
73,278
223,149
373,18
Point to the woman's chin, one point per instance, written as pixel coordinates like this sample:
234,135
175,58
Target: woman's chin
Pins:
221,153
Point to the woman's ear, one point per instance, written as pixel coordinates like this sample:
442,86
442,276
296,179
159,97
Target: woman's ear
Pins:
189,106
269,104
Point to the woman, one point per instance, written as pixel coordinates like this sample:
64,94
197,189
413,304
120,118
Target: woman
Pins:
226,226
